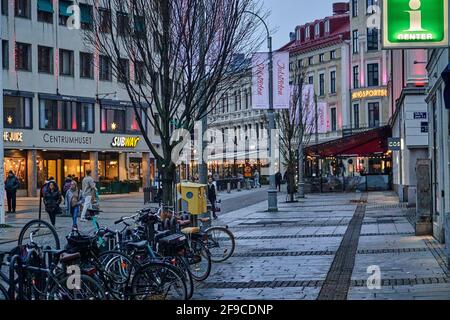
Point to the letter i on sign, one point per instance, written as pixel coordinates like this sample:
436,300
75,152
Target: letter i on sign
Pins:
415,16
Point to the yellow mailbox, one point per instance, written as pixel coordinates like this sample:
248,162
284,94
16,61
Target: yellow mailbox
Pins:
193,197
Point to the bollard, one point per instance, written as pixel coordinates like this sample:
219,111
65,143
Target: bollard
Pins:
228,187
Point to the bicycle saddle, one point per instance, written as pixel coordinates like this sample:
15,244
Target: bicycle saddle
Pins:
139,245
188,231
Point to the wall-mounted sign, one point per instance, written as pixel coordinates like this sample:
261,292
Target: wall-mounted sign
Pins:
13,136
60,139
125,142
424,127
395,144
370,93
415,23
420,115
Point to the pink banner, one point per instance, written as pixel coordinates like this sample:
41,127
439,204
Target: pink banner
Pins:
281,94
260,81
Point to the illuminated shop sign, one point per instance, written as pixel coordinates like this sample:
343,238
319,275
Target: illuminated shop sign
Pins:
13,136
125,142
415,23
370,93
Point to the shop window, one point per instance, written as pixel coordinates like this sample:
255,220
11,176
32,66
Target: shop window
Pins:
45,59
45,11
121,120
17,112
17,163
66,116
108,167
134,170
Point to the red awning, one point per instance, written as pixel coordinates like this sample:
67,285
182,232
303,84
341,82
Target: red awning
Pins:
362,144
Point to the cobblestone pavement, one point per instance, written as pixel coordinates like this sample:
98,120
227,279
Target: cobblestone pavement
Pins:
321,248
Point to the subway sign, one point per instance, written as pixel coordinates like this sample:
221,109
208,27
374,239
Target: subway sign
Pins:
125,142
415,23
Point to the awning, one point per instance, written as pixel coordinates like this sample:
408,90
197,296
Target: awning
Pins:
45,6
362,144
86,14
64,8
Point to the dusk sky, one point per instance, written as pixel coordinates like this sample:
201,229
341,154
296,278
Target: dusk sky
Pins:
286,14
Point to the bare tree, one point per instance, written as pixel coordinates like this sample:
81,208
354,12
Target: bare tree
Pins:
182,52
295,126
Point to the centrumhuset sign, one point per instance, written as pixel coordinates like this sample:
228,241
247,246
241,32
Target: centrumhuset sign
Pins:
415,23
260,81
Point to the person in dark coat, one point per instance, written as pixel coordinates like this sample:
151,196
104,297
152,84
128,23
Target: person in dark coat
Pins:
11,186
212,196
278,179
52,200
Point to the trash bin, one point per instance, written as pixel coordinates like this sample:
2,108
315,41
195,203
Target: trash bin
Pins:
193,198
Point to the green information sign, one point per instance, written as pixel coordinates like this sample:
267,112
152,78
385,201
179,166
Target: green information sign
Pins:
415,23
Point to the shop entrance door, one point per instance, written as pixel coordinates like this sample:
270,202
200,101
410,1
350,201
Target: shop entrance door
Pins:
52,168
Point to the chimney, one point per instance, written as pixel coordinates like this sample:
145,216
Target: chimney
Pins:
292,36
341,8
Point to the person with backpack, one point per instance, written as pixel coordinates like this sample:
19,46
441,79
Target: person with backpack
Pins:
72,199
11,186
52,200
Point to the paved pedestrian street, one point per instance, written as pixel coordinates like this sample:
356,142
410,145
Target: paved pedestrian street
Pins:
319,248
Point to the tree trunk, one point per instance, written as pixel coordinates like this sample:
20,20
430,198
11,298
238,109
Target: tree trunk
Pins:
167,177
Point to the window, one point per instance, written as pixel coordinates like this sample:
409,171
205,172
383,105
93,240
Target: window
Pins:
356,116
356,77
311,60
354,8
139,25
5,7
291,66
23,56
327,26
17,112
246,99
64,12
311,80
23,9
333,82
374,114
66,62
332,54
321,57
370,4
86,65
355,42
333,119
300,63
66,116
105,69
317,30
321,84
45,11
372,75
157,121
372,39
45,59
5,54
117,119
105,20
123,70
139,72
307,32
123,23
86,16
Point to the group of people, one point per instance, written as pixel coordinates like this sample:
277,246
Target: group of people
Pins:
75,200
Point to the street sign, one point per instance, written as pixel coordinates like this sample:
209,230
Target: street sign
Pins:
420,115
415,24
424,127
395,144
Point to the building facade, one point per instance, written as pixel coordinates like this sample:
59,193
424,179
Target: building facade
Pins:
64,111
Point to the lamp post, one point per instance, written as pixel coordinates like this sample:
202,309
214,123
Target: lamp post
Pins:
272,193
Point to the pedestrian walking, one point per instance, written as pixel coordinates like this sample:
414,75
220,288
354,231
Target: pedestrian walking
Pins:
11,186
89,192
278,179
212,196
67,185
72,200
52,200
256,178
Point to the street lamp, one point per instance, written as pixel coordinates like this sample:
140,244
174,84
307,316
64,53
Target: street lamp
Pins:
272,193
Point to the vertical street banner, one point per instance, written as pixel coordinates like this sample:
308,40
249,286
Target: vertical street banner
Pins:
260,80
308,106
281,88
322,121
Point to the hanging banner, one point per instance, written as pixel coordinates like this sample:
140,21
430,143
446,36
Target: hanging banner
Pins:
281,88
260,81
322,121
308,105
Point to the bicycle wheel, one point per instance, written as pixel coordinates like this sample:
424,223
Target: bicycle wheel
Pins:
184,266
41,233
118,267
221,243
84,288
199,261
158,281
3,293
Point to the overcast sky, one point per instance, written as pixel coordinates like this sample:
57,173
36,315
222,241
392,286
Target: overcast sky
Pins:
287,14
